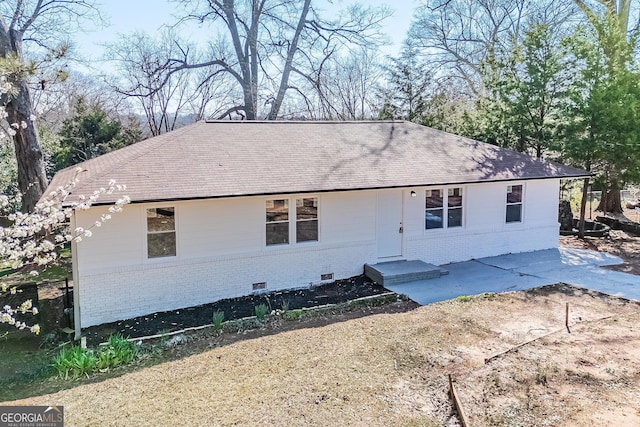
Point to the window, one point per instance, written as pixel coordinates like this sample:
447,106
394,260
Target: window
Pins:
454,207
277,222
443,209
161,232
307,219
281,229
434,214
514,203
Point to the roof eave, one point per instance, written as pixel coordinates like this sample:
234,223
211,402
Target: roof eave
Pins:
341,190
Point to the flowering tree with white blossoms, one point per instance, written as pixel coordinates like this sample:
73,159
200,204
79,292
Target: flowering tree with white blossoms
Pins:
34,238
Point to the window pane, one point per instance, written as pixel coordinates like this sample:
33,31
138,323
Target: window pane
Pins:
454,217
433,218
307,208
514,213
307,231
161,244
433,199
278,234
455,197
161,219
515,195
277,210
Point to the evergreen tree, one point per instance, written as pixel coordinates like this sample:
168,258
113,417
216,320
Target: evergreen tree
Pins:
91,133
526,94
603,134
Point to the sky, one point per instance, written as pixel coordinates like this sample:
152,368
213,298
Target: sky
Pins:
125,16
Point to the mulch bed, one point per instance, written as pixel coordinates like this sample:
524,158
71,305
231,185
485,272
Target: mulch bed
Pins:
236,308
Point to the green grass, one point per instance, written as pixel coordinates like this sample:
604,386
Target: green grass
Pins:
5,271
463,298
51,273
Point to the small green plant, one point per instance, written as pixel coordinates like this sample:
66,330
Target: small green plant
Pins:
74,362
118,351
463,298
285,306
218,318
541,376
164,337
293,314
261,312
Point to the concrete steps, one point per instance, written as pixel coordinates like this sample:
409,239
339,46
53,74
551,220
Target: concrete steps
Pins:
397,272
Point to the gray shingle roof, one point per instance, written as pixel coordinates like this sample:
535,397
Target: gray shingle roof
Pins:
240,158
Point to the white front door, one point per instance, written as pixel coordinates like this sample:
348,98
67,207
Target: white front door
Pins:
389,223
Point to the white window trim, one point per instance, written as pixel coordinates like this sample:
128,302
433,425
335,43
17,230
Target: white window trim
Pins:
161,259
292,221
521,203
445,210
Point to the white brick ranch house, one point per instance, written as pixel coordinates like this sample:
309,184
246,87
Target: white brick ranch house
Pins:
220,208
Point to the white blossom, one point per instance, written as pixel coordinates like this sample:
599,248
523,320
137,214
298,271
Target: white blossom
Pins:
24,243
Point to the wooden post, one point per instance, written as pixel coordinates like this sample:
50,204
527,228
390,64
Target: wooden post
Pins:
566,318
456,401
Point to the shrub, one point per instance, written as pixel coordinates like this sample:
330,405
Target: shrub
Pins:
261,312
293,314
463,298
218,318
74,362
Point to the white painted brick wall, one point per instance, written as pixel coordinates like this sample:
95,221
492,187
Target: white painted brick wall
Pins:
447,248
116,281
130,292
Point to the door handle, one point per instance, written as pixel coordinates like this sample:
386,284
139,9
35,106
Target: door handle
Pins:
400,230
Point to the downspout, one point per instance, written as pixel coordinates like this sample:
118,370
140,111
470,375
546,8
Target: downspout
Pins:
76,282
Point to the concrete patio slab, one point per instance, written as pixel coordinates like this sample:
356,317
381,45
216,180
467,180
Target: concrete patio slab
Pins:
512,272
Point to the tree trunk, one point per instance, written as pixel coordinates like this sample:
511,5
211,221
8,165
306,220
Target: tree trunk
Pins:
583,207
610,201
32,179
293,48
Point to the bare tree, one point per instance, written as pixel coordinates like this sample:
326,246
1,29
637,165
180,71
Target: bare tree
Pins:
142,75
343,87
460,36
267,36
212,89
56,102
43,22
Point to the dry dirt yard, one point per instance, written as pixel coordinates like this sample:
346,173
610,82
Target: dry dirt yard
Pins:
388,365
